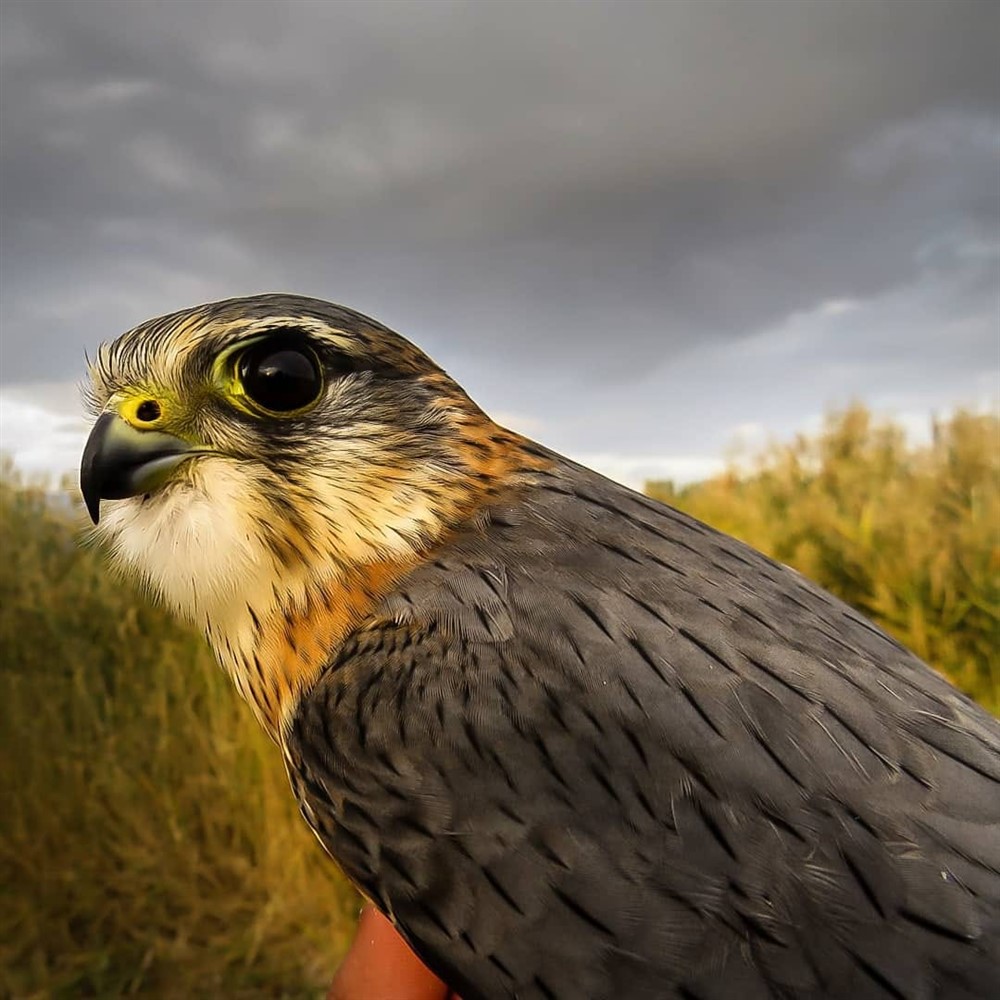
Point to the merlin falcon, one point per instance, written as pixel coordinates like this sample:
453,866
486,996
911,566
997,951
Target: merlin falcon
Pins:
573,743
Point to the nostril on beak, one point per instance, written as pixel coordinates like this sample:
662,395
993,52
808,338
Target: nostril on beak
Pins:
148,411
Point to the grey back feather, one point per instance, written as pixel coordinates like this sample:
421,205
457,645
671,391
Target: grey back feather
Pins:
596,749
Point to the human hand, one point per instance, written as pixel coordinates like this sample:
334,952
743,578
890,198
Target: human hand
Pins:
381,966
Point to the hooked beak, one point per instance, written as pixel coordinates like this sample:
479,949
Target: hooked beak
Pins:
120,461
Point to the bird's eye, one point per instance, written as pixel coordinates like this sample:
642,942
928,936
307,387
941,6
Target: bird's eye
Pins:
280,378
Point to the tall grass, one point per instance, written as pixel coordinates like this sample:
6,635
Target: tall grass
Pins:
909,535
149,844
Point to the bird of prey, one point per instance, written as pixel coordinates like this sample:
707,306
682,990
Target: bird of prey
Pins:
572,742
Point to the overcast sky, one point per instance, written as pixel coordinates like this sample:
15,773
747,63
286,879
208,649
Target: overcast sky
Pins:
636,231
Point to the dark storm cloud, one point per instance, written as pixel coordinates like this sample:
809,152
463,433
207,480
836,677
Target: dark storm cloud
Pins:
563,190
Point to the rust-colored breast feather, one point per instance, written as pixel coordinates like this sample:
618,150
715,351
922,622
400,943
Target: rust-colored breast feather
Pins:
292,641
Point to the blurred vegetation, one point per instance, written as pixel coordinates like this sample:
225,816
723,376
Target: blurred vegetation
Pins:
149,844
908,535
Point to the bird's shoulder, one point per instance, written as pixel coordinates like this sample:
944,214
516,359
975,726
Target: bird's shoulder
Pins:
700,756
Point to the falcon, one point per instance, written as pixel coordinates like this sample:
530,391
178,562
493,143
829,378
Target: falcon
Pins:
571,741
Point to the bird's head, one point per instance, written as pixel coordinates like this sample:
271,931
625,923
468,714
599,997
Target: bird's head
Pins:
269,465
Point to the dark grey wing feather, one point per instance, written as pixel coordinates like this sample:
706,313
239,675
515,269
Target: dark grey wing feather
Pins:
598,750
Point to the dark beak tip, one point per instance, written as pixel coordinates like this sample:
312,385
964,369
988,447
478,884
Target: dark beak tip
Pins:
93,508
90,480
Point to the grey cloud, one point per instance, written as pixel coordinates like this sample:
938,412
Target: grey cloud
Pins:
543,195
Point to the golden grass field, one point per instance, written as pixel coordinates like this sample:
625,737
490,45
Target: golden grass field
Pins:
149,844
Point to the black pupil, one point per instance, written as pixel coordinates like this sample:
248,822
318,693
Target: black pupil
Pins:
280,379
